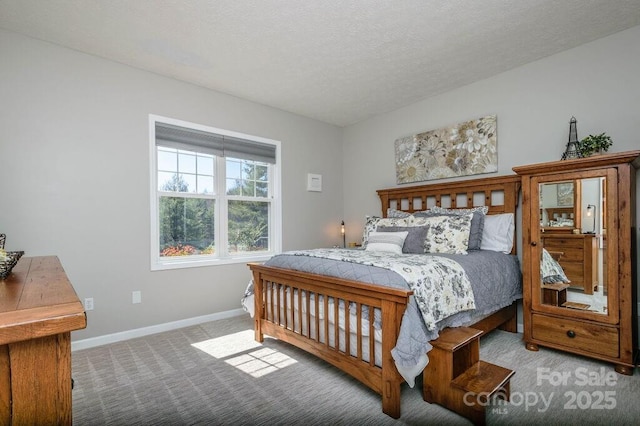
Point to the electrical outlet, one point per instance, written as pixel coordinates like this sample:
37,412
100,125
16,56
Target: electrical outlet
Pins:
136,297
88,304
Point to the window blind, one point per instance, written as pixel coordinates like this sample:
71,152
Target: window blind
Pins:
178,137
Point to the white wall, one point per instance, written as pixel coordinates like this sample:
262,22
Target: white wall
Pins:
74,179
597,83
74,160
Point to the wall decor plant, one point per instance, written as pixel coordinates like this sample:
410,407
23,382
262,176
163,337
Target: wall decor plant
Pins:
467,148
595,144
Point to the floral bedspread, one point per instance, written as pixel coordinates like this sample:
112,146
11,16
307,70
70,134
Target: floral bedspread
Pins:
440,285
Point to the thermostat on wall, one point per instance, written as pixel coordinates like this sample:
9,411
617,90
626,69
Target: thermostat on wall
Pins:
314,182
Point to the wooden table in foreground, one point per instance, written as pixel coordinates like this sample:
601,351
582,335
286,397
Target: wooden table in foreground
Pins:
38,310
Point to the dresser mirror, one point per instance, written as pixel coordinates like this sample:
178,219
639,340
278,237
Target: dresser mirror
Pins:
572,243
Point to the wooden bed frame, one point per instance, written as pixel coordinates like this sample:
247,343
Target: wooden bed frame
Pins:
392,302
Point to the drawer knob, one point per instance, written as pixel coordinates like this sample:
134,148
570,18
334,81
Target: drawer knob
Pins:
571,334
533,243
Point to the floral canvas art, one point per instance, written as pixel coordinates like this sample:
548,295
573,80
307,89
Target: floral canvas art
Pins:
467,148
565,194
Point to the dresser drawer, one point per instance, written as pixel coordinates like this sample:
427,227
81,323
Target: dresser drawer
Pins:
563,242
569,254
588,337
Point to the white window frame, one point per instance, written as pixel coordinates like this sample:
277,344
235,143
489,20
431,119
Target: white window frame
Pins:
222,257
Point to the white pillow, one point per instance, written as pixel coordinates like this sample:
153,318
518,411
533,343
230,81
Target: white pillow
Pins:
386,241
498,232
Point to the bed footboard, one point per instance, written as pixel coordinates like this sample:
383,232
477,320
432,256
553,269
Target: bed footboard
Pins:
305,310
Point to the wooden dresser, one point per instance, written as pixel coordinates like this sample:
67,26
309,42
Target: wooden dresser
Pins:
38,310
595,321
579,252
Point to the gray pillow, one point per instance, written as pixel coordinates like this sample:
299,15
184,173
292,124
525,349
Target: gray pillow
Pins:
414,243
477,226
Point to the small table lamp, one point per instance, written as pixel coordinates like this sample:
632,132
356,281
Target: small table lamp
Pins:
591,212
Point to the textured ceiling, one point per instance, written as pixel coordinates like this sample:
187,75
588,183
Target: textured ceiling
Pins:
338,61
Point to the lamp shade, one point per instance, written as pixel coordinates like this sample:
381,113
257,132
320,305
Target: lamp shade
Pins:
591,212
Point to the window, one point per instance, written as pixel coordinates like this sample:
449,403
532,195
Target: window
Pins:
214,195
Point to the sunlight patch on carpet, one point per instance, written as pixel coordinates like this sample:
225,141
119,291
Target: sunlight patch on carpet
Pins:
261,362
231,344
235,347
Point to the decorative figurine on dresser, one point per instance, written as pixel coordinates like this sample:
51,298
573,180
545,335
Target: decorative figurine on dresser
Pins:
578,226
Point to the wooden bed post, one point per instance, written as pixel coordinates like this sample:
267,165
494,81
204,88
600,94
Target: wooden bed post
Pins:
384,198
391,379
258,294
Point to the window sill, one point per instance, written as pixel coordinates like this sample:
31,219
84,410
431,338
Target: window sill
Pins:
198,263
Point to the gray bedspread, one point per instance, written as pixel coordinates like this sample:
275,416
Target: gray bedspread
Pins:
495,278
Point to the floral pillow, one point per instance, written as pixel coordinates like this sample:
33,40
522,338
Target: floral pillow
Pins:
477,222
372,222
446,234
397,214
480,209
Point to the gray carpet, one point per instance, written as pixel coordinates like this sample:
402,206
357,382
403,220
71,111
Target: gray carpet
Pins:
216,374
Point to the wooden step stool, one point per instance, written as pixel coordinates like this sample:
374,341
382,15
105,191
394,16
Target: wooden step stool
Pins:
457,379
554,294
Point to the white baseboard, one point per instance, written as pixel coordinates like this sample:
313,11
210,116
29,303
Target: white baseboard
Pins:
153,329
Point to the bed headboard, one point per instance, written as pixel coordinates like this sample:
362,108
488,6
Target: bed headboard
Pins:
499,193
